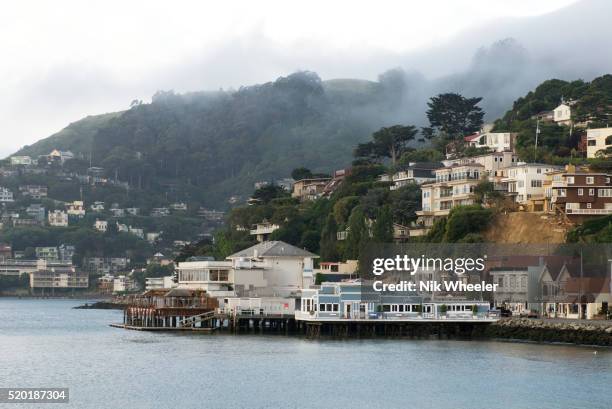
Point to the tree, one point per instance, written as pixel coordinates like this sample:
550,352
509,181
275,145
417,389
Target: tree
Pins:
382,231
301,173
328,245
266,193
388,142
453,116
357,234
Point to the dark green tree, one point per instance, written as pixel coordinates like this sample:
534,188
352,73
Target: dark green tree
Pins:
382,230
358,234
453,116
301,173
389,142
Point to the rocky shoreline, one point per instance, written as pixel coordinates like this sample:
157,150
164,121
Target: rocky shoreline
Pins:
571,332
101,305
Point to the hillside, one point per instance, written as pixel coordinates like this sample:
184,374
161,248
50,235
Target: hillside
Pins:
525,228
209,146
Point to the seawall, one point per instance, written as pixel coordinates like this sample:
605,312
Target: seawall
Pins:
536,330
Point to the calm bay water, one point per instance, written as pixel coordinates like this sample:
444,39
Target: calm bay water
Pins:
45,343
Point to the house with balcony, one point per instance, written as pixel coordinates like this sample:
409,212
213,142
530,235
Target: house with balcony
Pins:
263,230
492,162
97,207
495,141
598,141
581,194
21,161
36,211
414,173
525,184
216,277
454,186
52,278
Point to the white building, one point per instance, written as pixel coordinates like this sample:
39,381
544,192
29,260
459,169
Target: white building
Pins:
154,283
215,277
123,283
6,196
525,181
268,269
492,162
101,225
597,141
76,208
285,269
263,230
496,141
58,218
454,186
21,160
562,114
97,207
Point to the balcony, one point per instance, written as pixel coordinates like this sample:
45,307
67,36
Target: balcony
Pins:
589,211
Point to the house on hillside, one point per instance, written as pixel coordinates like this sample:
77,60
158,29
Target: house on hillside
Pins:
580,194
562,114
6,196
33,191
309,189
597,141
454,186
76,208
57,218
495,141
263,230
524,183
416,172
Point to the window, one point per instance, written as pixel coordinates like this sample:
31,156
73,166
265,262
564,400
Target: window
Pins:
604,193
536,183
335,307
591,192
322,307
590,180
570,180
580,192
588,205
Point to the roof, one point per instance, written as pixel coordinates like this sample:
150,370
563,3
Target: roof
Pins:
472,137
273,249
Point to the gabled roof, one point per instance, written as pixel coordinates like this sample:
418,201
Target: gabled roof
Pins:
472,137
273,249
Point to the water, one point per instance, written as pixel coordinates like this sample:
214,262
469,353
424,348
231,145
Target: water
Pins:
45,343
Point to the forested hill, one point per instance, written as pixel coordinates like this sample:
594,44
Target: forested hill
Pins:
208,146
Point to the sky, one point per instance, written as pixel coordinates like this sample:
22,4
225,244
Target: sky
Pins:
66,59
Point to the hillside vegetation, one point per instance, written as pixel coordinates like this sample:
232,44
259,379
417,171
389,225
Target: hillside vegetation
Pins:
209,146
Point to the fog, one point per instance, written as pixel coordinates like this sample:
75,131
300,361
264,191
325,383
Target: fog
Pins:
499,58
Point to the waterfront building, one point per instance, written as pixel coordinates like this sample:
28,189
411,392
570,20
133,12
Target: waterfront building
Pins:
259,306
123,283
103,265
156,283
346,300
58,278
336,270
213,276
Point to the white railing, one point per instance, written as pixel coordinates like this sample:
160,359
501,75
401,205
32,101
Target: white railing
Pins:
588,211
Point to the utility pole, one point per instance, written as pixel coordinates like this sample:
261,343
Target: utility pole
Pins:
535,148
